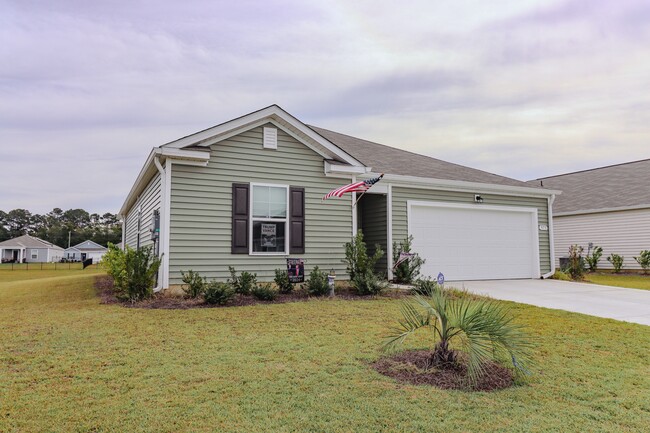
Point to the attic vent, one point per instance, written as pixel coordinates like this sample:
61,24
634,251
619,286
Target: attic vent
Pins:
270,138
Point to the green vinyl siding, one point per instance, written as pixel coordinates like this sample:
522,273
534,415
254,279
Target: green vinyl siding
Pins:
201,207
402,195
373,222
148,201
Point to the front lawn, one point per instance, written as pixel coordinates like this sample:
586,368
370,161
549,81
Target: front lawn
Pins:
69,363
635,281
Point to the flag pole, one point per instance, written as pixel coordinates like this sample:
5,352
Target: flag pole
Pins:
359,198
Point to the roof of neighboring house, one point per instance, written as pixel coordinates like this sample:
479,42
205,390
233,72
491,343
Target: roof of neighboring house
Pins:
387,159
88,245
27,241
620,186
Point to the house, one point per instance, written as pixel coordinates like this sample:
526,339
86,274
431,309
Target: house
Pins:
29,249
607,206
248,193
85,250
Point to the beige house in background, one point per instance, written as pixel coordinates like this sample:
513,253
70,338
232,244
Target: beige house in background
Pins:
608,207
29,249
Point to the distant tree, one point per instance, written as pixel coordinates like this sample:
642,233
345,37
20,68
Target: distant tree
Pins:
18,222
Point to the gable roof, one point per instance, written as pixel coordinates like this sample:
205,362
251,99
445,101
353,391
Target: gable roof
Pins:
387,159
614,187
27,241
88,245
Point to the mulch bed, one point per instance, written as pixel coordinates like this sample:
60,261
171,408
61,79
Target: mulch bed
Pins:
414,367
104,286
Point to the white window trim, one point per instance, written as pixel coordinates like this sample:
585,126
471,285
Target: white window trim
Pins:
33,253
251,218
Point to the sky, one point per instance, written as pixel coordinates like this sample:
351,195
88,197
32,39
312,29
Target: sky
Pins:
521,88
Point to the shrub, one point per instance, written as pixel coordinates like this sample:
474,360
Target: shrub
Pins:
425,286
243,283
316,284
644,260
593,258
616,261
282,281
483,329
407,271
356,256
368,283
218,293
194,284
264,292
576,263
559,275
133,271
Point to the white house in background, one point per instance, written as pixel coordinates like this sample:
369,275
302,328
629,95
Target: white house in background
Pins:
608,207
86,250
28,249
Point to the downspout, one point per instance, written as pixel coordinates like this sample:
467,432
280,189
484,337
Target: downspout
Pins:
551,241
163,179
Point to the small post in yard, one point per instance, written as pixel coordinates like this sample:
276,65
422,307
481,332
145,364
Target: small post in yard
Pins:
330,281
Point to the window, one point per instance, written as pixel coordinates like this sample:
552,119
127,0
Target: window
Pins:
269,219
34,254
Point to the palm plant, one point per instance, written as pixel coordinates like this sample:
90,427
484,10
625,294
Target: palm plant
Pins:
481,329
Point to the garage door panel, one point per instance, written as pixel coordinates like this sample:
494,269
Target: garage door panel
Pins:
474,243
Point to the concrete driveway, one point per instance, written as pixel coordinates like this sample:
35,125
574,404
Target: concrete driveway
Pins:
629,305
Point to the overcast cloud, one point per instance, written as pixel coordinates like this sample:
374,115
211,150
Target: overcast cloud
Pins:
521,88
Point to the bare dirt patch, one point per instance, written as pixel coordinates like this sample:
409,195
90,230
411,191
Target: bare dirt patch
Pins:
415,367
104,285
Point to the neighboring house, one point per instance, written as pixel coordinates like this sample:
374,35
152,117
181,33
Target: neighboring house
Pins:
86,250
248,193
607,206
28,249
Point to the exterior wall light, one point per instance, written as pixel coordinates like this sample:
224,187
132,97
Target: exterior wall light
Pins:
478,198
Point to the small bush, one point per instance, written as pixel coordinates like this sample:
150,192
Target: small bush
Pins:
243,283
576,263
133,271
316,284
282,281
356,256
593,258
368,283
559,275
425,286
407,271
644,260
264,292
194,284
616,261
218,293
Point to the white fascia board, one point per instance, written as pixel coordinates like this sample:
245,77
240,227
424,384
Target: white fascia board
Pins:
457,185
180,156
273,114
345,169
603,210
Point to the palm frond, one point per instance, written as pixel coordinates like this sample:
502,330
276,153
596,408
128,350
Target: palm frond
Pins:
412,320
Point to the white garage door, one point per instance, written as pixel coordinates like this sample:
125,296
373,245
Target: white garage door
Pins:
475,242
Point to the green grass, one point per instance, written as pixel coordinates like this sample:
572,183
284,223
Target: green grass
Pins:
7,275
628,281
70,364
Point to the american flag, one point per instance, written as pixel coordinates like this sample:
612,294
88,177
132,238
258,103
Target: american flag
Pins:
361,186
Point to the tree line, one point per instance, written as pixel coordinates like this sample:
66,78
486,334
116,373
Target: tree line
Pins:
57,225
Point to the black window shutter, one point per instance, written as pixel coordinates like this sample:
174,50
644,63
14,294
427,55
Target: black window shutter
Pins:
296,220
240,211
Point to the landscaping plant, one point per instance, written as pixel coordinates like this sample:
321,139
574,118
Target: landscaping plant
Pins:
425,286
282,281
482,330
644,260
218,293
408,270
194,284
264,292
316,284
243,283
576,267
616,261
559,275
368,283
361,266
593,258
133,271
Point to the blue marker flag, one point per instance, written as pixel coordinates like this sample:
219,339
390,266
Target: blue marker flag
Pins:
441,279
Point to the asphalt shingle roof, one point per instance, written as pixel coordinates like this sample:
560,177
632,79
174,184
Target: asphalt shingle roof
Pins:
615,186
390,160
27,241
